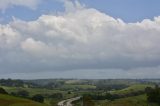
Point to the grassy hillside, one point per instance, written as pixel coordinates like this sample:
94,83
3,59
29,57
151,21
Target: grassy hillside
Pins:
132,88
130,101
6,100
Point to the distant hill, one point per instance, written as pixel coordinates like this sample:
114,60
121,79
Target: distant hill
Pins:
6,100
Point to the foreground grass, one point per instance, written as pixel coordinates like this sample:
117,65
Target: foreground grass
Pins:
6,100
130,101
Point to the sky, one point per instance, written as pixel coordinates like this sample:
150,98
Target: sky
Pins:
88,39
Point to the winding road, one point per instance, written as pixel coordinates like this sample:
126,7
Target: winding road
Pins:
68,102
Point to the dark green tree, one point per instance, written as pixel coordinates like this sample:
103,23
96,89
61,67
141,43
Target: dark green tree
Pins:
2,91
153,95
38,98
23,93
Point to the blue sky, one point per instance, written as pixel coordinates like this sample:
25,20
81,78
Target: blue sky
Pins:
79,39
127,10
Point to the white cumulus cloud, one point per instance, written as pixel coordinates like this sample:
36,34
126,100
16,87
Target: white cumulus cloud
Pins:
82,39
8,36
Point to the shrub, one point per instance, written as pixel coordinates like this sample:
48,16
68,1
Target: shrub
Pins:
38,98
2,91
153,95
23,93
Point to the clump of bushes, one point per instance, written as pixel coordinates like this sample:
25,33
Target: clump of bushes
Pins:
21,93
2,91
38,98
153,94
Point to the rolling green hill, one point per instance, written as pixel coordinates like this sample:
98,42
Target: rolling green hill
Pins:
6,100
132,88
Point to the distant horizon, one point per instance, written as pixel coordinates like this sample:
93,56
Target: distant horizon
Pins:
84,79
